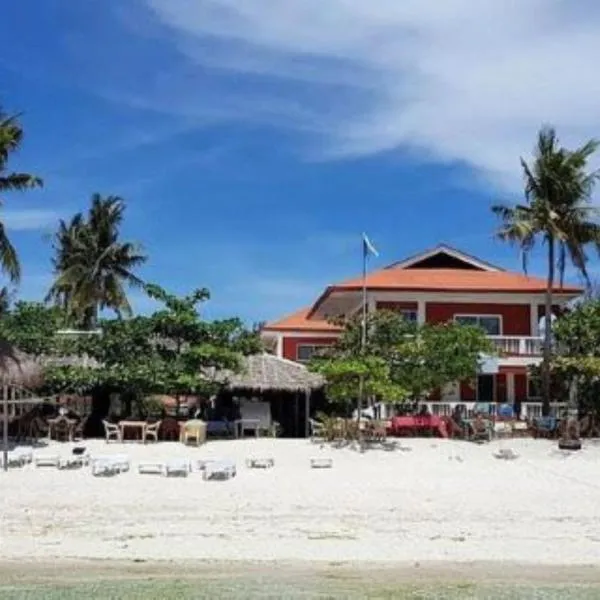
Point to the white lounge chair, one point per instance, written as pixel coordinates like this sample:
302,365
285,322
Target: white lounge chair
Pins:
120,460
219,470
71,462
177,467
105,468
321,463
260,463
47,460
151,468
24,454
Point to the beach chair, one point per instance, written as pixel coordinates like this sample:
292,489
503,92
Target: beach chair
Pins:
317,431
195,430
105,468
177,467
482,430
151,468
221,470
25,455
47,460
151,431
120,462
260,463
321,463
544,427
111,432
71,462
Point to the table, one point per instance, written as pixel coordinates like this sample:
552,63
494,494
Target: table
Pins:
414,423
240,425
54,424
141,425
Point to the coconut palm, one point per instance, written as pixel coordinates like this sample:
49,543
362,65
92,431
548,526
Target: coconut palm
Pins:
558,213
11,136
92,266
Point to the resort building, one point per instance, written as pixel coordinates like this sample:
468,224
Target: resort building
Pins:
438,285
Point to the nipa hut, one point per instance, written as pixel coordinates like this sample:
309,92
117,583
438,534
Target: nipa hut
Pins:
285,386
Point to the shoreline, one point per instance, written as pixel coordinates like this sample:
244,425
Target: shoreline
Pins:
68,571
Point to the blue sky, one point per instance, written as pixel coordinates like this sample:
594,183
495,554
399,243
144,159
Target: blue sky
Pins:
254,141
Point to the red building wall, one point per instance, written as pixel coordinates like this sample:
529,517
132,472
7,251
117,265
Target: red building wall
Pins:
291,343
520,387
515,317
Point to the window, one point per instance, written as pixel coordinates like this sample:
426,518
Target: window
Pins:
409,315
491,324
304,352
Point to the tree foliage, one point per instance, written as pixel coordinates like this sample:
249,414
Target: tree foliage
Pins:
400,359
173,351
558,213
11,137
92,266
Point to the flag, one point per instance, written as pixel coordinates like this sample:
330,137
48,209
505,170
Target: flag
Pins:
368,247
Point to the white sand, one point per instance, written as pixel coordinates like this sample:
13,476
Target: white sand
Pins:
377,506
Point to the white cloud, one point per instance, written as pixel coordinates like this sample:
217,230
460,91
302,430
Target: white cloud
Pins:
457,81
29,219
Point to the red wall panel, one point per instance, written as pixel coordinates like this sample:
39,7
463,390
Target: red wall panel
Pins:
291,343
520,387
467,391
515,317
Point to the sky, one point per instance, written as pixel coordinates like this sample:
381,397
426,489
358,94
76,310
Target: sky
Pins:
255,141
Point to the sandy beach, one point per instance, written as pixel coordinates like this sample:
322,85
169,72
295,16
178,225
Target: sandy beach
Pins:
439,501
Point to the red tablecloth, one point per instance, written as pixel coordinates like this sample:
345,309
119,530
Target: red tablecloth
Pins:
416,422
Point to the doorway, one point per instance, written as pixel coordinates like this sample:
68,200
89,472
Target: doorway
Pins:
485,388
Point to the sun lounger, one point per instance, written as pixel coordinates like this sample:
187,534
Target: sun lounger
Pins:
120,460
105,468
506,454
219,470
24,454
177,467
260,463
48,460
321,463
151,468
71,462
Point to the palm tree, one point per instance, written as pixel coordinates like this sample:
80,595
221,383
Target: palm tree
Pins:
92,266
558,212
11,136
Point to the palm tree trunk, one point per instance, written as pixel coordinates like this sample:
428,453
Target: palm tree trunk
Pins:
546,386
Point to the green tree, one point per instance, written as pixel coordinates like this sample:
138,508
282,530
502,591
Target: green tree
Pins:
173,351
418,358
92,266
11,137
557,212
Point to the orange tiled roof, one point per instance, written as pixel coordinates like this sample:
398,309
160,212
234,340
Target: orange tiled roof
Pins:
299,321
453,280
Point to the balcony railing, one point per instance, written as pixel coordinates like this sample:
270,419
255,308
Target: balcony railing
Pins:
514,345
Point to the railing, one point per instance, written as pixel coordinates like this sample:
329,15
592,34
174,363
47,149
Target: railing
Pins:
517,345
529,410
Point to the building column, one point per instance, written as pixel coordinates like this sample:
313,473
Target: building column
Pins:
421,312
534,319
510,388
279,346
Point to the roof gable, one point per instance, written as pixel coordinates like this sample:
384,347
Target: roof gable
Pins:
444,257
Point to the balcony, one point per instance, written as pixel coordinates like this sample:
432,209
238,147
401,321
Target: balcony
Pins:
515,345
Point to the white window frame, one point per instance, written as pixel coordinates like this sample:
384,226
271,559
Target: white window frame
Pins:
477,316
313,346
529,396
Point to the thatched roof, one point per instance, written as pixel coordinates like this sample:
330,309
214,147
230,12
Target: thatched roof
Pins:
262,372
17,368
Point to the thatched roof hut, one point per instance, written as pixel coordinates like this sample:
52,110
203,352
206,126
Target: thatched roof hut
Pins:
18,368
267,372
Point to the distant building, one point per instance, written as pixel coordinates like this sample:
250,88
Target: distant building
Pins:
439,285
